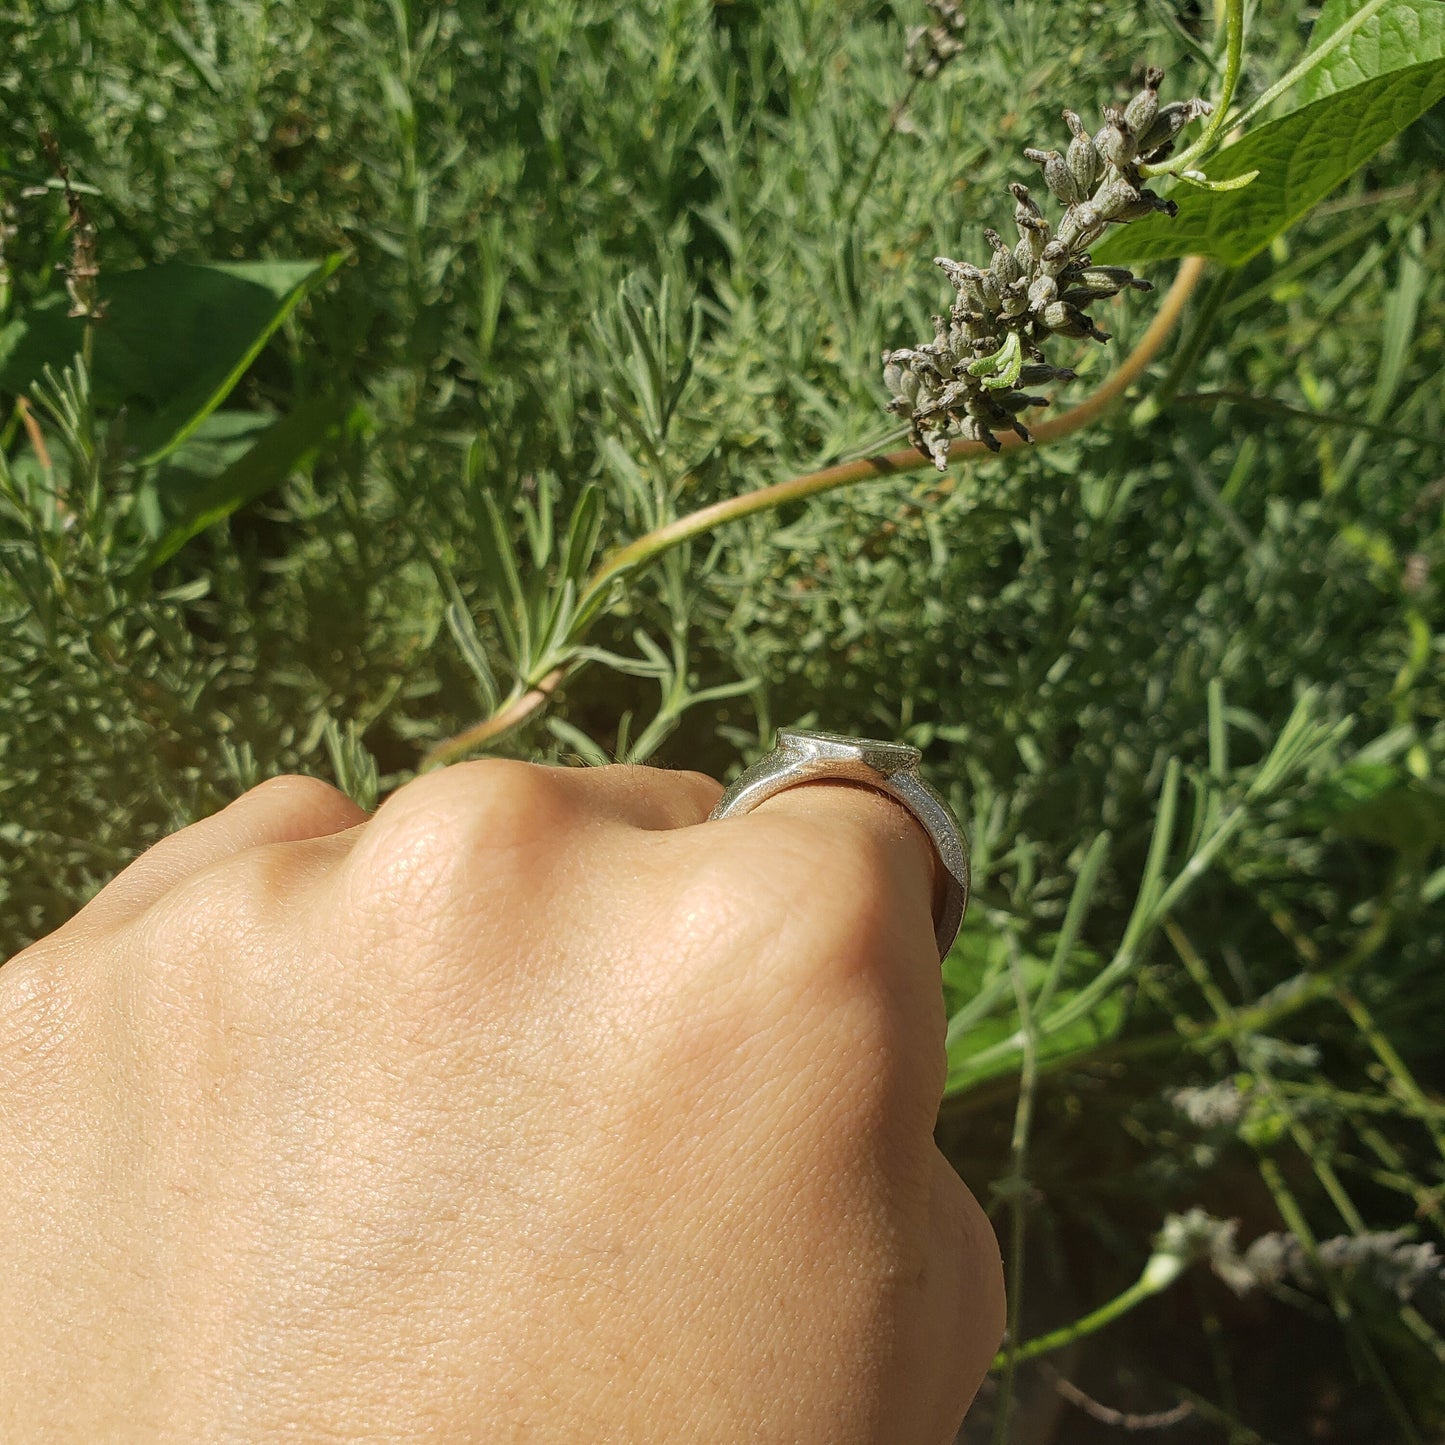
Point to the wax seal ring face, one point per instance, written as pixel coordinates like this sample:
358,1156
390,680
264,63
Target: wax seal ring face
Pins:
891,768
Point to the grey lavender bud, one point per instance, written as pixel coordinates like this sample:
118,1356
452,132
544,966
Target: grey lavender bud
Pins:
1114,197
1057,175
975,431
1083,159
1034,374
1054,257
965,279
1140,111
1042,293
1015,300
1082,226
1108,280
1171,119
1116,142
1019,401
1144,204
1027,216
1065,319
1005,266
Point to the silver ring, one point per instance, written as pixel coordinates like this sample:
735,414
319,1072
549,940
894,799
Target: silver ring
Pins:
891,768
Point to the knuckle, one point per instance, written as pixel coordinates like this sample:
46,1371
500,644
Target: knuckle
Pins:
717,907
222,912
496,803
306,799
445,842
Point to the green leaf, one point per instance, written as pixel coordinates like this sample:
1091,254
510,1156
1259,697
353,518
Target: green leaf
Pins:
1404,33
582,533
1301,158
231,459
982,1014
1382,804
174,341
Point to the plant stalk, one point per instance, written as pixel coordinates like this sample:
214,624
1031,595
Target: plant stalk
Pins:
645,549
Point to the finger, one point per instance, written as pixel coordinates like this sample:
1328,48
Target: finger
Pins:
286,809
852,875
852,816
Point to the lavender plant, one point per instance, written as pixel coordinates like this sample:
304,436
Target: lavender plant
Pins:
971,380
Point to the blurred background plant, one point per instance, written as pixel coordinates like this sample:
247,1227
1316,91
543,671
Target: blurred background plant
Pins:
357,357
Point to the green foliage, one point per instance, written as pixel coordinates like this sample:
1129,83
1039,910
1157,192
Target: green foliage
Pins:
175,341
1403,33
612,263
1299,158
1376,80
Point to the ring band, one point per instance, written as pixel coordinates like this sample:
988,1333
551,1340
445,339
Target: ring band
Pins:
891,768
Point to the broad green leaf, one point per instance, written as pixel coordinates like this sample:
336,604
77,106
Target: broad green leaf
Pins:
978,993
1301,158
231,459
1381,803
174,341
1404,33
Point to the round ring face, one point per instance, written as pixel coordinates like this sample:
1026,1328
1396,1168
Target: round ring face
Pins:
883,757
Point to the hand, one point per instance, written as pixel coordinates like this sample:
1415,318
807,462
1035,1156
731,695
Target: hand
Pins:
526,1109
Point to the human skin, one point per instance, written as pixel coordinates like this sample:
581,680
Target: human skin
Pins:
532,1107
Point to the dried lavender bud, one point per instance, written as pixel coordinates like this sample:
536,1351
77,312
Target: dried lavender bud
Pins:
1065,319
1019,400
1057,175
1027,216
1116,142
965,280
1081,226
1083,159
1033,375
1044,291
1108,280
1034,232
1055,256
1005,267
1155,143
1115,196
1140,111
1015,299
1145,203
974,430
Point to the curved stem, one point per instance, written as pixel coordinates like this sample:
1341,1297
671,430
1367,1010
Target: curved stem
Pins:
515,711
1142,1289
636,554
1233,64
